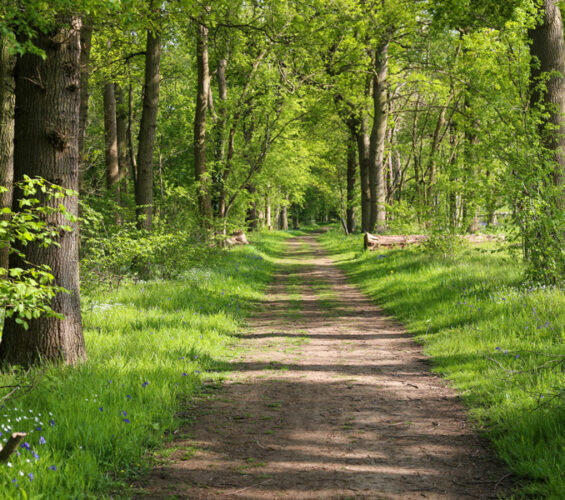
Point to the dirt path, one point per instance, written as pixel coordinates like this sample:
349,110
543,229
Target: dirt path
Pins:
331,400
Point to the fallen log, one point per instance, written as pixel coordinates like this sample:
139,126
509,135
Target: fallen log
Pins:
237,238
373,241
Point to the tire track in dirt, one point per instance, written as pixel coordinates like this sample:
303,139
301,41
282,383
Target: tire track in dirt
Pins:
331,401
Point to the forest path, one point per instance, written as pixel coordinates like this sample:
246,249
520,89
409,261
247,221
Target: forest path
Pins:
329,400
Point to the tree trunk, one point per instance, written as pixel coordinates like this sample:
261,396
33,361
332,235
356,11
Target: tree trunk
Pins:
46,144
111,139
284,215
377,179
200,169
351,172
363,152
85,45
548,57
144,180
268,222
131,151
7,101
121,132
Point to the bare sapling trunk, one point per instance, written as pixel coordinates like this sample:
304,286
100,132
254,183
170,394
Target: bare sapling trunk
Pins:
144,179
350,195
124,166
7,102
363,142
47,116
200,168
85,46
111,140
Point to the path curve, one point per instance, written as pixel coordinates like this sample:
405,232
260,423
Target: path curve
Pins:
330,400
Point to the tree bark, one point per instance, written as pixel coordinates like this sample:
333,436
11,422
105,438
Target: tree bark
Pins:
350,195
548,57
200,168
363,142
377,179
144,179
47,117
284,215
85,45
121,133
7,102
111,139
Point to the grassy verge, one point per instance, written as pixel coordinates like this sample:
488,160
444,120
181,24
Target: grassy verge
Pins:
501,344
149,346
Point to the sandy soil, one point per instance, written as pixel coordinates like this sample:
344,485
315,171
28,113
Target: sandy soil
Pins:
330,400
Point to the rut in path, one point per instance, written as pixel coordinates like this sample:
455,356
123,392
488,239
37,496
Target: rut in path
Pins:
331,400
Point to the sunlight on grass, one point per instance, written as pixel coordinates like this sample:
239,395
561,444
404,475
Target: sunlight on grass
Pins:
149,346
489,335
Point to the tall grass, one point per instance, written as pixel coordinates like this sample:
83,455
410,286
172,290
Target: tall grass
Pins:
499,342
149,345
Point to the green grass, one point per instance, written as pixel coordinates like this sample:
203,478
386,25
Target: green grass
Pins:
489,335
149,346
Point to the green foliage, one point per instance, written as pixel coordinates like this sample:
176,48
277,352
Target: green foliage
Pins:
500,343
26,290
150,346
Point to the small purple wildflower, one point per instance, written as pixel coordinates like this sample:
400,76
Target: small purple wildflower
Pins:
506,352
124,413
126,420
128,396
38,428
185,374
36,456
497,348
101,408
30,475
196,371
52,423
52,467
145,384
517,356
25,445
42,440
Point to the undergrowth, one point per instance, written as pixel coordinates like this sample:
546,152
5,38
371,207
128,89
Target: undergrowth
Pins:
500,342
149,346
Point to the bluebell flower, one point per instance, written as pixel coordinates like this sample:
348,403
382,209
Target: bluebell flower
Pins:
36,456
126,420
25,445
30,475
52,423
42,440
128,396
145,384
185,374
52,467
101,408
124,413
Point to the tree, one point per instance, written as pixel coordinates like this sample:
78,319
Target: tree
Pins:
46,145
144,178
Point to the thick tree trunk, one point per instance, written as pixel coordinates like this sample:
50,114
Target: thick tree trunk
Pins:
7,101
548,57
144,179
85,45
377,179
350,195
46,144
111,139
200,168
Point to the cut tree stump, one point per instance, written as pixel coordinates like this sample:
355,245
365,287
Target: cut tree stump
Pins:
373,241
237,238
